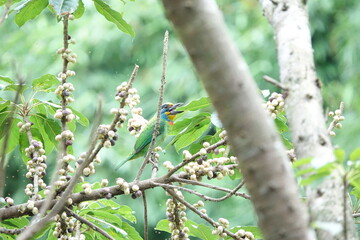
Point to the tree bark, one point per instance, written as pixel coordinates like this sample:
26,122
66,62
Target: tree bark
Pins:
251,131
303,106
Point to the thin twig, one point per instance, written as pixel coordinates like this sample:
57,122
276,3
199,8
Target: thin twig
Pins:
161,90
88,223
274,82
6,11
356,215
203,196
244,195
200,214
12,231
146,230
21,210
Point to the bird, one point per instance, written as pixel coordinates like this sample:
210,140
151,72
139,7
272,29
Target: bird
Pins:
167,117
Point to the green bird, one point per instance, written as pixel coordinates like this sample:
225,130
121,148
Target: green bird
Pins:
167,116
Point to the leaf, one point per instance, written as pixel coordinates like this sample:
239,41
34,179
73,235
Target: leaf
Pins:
127,213
113,16
62,7
13,139
201,231
193,135
38,121
179,126
80,10
52,129
39,107
80,118
339,154
44,83
119,230
132,234
196,104
302,162
106,216
15,88
197,230
355,155
6,79
281,125
29,10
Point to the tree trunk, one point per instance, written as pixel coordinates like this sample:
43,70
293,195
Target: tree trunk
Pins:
304,110
251,131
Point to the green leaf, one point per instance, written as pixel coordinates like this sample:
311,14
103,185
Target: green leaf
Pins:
196,104
127,213
197,230
6,79
39,107
179,126
281,125
62,7
15,88
13,139
38,121
339,154
52,129
131,231
106,216
113,16
80,10
192,135
302,162
44,83
200,231
80,118
287,143
355,155
29,10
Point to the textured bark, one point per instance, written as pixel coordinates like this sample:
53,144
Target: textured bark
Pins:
304,110
251,132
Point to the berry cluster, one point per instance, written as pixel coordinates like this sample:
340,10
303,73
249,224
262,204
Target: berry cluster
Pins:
36,167
337,118
104,132
64,114
67,54
176,215
66,135
275,104
65,90
221,226
137,123
124,186
24,126
65,225
205,166
132,98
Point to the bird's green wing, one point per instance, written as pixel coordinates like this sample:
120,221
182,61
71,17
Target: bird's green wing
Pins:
145,137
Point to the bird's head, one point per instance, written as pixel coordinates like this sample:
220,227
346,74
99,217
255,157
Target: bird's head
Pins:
168,112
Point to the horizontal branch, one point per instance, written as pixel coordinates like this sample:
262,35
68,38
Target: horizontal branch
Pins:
21,210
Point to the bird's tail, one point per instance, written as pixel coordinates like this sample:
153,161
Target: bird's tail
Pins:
122,163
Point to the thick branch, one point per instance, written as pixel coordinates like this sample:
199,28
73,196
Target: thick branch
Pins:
251,132
304,110
21,210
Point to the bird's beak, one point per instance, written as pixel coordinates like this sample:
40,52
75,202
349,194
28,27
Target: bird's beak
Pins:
173,111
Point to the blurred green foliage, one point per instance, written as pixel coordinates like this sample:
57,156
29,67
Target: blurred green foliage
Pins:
106,57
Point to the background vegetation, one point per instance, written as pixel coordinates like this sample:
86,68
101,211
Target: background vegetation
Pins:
106,57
